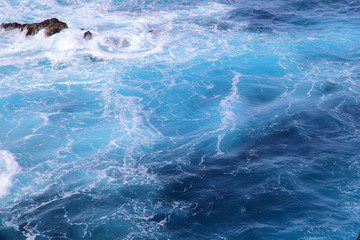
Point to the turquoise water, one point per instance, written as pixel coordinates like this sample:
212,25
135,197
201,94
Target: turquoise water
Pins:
181,120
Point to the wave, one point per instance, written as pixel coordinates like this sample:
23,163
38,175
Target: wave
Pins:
8,168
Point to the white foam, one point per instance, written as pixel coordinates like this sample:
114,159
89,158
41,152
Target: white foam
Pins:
228,120
229,117
128,30
8,168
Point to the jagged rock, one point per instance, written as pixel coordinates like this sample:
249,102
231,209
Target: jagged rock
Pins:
10,26
32,29
51,26
87,35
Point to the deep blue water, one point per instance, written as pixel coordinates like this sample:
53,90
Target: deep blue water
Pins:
230,119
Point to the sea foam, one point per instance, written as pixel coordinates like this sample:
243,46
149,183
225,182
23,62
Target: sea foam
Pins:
8,168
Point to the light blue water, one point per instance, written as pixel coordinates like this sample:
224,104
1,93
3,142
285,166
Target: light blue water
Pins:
229,120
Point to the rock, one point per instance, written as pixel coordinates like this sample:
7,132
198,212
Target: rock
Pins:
32,29
125,43
10,26
112,42
87,35
116,43
51,26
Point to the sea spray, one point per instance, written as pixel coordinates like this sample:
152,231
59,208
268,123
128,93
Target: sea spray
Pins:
8,168
181,120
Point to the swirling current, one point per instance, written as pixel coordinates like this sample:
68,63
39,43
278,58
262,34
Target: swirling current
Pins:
179,119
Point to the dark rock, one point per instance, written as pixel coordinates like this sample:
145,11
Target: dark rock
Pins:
87,35
32,29
51,26
10,26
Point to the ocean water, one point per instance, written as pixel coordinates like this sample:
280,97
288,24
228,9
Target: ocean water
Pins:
211,119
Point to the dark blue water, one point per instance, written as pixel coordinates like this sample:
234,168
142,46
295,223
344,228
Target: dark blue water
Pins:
181,120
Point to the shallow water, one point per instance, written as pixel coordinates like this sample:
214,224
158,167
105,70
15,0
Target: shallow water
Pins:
181,120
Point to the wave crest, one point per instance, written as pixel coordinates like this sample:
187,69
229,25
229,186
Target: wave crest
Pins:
8,168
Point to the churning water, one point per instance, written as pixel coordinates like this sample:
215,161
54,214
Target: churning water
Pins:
181,119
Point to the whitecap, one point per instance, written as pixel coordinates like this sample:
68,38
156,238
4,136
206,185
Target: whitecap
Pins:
8,168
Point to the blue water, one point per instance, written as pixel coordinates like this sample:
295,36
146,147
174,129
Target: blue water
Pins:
181,120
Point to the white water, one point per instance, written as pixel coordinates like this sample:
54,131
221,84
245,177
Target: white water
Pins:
8,168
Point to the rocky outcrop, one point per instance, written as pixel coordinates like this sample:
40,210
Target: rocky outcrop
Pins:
87,35
51,26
